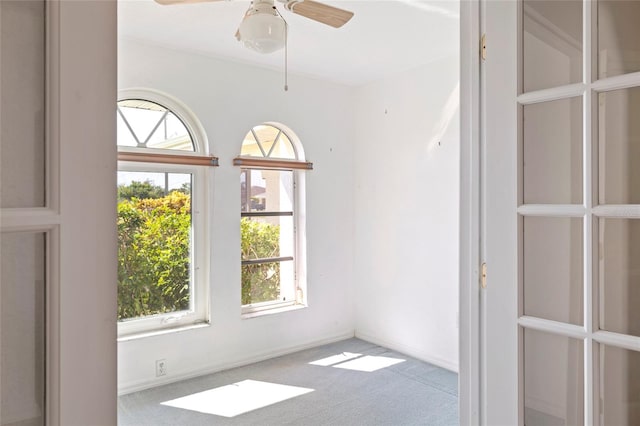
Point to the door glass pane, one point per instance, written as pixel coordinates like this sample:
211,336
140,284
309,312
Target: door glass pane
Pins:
619,275
22,329
618,37
552,35
553,379
22,104
552,152
619,146
617,386
552,268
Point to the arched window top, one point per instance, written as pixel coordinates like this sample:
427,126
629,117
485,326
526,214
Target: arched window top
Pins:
272,145
268,141
156,128
152,120
146,124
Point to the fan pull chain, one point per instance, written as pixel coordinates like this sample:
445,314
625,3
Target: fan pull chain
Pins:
286,50
286,56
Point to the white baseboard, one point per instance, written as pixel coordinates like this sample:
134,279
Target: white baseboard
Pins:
126,388
408,350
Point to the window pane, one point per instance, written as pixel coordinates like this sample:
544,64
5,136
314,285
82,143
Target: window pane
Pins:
553,268
618,376
22,329
264,282
553,379
619,275
267,237
147,124
22,105
552,152
251,147
552,35
266,190
267,141
154,243
283,148
618,37
619,146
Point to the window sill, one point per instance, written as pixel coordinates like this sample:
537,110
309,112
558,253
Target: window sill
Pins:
262,312
153,333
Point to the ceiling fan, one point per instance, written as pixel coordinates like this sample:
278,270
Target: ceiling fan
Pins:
264,30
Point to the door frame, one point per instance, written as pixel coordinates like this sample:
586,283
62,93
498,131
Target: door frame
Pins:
470,373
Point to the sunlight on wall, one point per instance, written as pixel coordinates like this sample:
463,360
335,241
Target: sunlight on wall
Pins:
448,113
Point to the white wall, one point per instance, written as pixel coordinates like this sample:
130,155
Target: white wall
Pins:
382,210
230,98
406,212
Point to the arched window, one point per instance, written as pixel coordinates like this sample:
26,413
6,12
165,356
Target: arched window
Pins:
162,179
272,219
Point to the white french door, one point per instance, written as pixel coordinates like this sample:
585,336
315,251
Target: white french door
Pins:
560,143
57,212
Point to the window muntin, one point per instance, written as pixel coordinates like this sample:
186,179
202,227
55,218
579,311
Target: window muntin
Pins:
162,254
271,245
146,124
268,141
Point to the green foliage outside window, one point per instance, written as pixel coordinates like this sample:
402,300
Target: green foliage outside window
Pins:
154,253
259,240
140,190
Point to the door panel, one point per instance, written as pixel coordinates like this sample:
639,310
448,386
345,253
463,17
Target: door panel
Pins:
57,210
561,207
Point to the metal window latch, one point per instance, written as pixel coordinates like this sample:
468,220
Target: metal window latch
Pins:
483,47
483,275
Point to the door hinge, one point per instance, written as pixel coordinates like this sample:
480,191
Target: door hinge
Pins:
483,275
483,47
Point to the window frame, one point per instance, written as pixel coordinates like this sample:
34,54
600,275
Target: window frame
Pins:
133,159
297,168
272,304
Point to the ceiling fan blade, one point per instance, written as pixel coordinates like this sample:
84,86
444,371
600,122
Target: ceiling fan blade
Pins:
169,2
321,12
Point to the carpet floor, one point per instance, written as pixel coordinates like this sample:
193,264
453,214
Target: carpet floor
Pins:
351,382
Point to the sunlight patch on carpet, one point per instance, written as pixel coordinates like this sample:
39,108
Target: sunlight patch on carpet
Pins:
237,398
369,363
335,359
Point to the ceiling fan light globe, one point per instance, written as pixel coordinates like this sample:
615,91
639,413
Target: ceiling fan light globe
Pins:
263,33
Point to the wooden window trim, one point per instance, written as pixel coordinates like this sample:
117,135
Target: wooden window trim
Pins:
147,157
265,163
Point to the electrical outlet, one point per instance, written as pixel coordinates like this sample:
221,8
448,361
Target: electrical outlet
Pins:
161,367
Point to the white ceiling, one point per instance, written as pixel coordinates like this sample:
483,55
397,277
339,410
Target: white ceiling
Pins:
384,37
